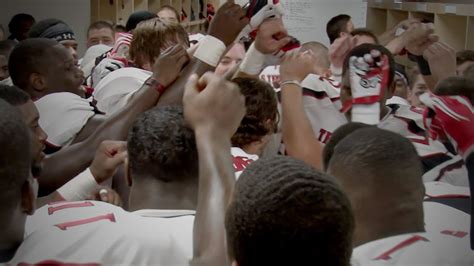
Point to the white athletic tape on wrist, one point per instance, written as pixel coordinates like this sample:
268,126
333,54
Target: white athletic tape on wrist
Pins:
366,113
210,50
336,71
253,62
80,187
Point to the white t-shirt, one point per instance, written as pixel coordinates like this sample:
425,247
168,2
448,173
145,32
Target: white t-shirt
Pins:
321,98
114,90
97,232
241,160
438,162
62,116
446,247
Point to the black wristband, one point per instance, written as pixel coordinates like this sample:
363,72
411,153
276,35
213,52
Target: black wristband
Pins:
422,64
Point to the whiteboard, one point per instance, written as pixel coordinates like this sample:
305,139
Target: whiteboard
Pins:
307,19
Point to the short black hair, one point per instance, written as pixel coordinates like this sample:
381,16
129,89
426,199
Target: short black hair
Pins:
13,95
366,48
365,32
464,56
339,134
101,24
261,116
28,57
15,159
336,25
15,23
456,86
161,146
387,158
284,212
137,17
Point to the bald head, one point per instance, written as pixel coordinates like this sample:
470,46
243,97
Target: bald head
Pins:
381,174
366,159
321,52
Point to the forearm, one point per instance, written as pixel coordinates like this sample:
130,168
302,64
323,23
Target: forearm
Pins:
216,182
298,136
71,161
174,94
387,36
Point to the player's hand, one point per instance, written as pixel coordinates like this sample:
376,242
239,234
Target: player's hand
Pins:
108,195
272,36
418,37
451,118
108,157
442,60
369,76
405,24
229,21
213,105
169,64
297,66
339,49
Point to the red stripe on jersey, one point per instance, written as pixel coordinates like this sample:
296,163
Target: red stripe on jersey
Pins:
52,210
404,244
450,167
57,263
459,234
65,226
240,163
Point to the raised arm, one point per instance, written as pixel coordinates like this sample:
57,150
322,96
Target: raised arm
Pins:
214,108
69,162
298,135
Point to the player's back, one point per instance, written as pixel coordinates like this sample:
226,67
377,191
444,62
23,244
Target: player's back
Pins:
100,233
444,247
438,163
114,91
321,98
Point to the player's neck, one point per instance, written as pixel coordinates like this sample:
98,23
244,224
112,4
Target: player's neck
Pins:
252,149
10,241
373,225
161,195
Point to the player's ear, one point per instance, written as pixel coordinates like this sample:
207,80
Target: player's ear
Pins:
37,82
391,90
28,196
235,263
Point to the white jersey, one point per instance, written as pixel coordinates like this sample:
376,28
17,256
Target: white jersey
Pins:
438,163
438,211
446,247
271,75
93,232
62,117
241,160
115,90
321,99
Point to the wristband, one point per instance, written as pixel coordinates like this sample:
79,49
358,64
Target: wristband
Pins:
288,82
155,84
336,71
253,62
423,65
210,50
80,187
